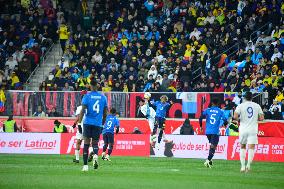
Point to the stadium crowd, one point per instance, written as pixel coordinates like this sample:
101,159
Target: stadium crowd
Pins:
26,31
162,46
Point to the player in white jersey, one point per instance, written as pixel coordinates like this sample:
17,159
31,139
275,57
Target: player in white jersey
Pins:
79,135
149,113
249,113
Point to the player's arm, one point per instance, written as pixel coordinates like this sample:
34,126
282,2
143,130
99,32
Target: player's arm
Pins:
202,116
260,114
105,114
81,115
237,113
117,126
224,119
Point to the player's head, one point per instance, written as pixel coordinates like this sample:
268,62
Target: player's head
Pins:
215,102
248,96
164,98
94,85
10,117
113,111
82,93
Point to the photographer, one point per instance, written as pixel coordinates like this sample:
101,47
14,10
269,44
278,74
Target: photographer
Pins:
274,111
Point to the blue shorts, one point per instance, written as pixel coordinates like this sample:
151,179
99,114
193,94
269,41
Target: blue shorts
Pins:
108,138
91,131
160,122
213,139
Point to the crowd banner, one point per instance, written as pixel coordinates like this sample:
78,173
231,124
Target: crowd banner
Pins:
127,126
189,146
268,149
30,143
124,145
186,104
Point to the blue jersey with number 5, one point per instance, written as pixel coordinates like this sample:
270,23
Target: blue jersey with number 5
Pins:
111,122
95,103
214,115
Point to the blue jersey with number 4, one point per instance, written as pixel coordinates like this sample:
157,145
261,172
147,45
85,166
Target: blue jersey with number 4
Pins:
111,122
95,103
214,115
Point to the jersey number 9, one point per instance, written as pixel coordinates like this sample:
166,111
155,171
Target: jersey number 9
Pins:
250,112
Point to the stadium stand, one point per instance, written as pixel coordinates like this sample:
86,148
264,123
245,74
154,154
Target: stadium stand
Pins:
171,46
26,32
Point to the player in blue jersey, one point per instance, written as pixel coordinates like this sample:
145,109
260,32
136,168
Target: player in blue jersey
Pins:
162,107
108,133
213,116
96,105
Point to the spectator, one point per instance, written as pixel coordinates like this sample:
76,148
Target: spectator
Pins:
39,112
136,131
186,128
53,113
274,111
10,125
59,127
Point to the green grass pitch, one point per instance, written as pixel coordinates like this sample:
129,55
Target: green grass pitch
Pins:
55,171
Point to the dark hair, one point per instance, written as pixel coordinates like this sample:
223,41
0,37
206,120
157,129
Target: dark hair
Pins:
94,83
112,110
248,95
215,101
56,122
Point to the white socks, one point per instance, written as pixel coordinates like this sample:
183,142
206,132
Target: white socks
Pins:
250,157
77,154
90,149
243,158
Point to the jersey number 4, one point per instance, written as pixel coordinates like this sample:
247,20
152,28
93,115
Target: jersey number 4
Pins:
96,107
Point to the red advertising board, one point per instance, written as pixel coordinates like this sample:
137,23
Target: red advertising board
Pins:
124,144
268,149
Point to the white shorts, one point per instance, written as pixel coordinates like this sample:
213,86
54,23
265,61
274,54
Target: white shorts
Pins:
248,138
151,122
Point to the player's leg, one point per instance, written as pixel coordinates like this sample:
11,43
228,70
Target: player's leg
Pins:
161,129
77,150
243,142
105,138
214,140
95,144
86,136
110,147
151,122
252,140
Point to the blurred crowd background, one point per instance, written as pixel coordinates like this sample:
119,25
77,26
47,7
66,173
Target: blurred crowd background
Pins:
155,46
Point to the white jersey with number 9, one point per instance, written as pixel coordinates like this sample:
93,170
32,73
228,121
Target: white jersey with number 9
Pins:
249,112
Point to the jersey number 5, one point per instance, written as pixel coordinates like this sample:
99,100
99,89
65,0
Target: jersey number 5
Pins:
96,107
212,119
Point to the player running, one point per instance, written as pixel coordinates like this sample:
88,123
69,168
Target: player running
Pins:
108,133
149,113
79,135
162,107
213,116
96,105
248,113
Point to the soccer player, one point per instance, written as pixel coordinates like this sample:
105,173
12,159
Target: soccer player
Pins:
96,105
108,133
162,107
248,113
79,135
213,116
149,113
